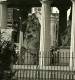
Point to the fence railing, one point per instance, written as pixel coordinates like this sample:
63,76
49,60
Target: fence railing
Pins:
30,66
59,57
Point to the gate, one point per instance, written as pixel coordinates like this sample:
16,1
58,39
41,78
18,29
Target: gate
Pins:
28,67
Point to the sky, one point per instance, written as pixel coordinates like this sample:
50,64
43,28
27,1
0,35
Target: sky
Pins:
56,10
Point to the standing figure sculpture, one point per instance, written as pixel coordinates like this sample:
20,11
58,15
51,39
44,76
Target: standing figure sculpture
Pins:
32,39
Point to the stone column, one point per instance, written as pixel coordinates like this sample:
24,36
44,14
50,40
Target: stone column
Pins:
72,47
53,31
62,22
20,36
44,58
3,15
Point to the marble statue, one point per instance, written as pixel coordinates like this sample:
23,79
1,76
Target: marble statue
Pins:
66,36
31,40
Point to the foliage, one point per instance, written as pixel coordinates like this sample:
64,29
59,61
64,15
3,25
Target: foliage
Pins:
7,57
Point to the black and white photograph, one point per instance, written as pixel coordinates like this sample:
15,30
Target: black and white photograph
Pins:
37,40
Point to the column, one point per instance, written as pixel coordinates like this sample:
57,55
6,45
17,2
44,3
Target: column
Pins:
20,36
3,20
53,31
44,58
62,22
72,47
3,15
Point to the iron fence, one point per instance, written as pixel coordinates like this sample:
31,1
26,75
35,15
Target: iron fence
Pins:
54,65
